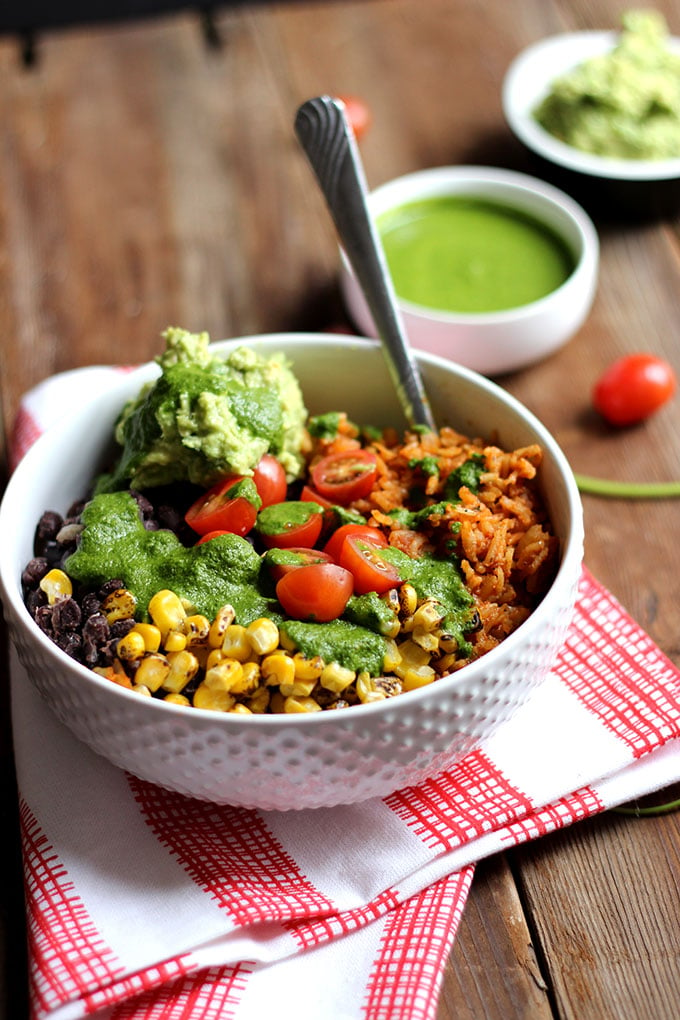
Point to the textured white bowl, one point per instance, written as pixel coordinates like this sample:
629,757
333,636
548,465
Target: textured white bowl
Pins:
287,762
503,341
626,185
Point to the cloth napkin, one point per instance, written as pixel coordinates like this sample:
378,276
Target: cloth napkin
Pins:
143,904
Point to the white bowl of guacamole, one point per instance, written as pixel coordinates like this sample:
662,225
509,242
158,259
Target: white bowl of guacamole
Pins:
601,104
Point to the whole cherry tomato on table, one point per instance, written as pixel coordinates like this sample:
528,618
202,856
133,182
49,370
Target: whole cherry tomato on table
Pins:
632,388
357,113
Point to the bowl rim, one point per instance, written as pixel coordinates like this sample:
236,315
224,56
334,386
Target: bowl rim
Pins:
523,87
572,547
505,185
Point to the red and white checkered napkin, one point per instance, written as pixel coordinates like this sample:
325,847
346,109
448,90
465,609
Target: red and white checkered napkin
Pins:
143,904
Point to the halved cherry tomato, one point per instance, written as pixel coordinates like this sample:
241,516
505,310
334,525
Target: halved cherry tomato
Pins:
292,523
270,480
293,558
358,114
310,495
317,592
632,388
212,534
217,510
344,477
370,571
335,543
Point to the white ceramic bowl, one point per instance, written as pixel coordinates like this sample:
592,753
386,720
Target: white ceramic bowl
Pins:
287,762
501,341
606,185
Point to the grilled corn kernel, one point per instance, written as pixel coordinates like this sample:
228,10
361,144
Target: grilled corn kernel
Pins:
131,646
217,701
286,642
259,701
445,663
183,668
150,634
428,615
298,688
119,605
296,704
277,668
391,597
263,635
224,617
366,689
417,676
226,675
236,643
152,671
141,689
425,639
392,657
167,612
56,584
411,655
277,703
335,677
307,669
196,628
448,643
408,599
240,709
177,699
175,641
252,674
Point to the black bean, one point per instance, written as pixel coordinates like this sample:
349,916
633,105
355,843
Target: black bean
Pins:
119,628
35,598
66,614
90,604
49,525
34,571
43,617
110,586
70,641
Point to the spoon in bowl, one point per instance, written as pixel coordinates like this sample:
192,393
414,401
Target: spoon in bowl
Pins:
328,141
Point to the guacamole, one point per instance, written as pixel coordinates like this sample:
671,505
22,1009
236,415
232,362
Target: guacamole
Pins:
207,417
625,103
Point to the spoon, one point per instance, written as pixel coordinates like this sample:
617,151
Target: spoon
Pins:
328,141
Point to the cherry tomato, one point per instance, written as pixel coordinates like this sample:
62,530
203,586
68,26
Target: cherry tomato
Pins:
344,477
632,388
217,510
286,524
309,495
335,543
358,115
212,534
300,556
316,592
270,480
370,571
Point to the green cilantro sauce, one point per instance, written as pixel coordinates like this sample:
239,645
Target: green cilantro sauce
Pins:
114,543
459,254
281,517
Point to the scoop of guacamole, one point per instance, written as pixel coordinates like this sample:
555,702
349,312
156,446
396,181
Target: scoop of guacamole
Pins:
206,417
625,103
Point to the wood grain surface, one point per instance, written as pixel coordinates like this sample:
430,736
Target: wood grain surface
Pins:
149,175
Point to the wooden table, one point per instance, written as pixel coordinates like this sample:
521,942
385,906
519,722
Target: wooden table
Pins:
149,175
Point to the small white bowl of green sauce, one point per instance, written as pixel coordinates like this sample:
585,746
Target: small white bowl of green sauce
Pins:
492,269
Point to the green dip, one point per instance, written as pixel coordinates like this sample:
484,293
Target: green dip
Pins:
625,103
469,255
207,417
